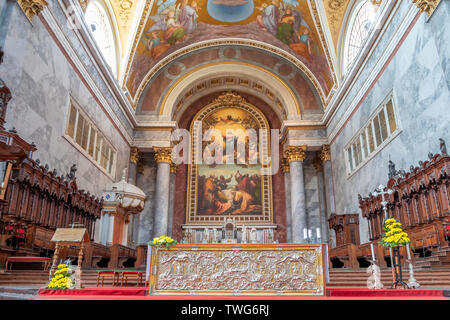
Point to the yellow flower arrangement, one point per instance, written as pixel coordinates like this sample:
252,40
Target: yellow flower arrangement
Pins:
163,240
393,234
61,278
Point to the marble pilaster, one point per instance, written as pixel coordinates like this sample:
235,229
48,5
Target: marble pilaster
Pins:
287,187
173,174
322,201
295,156
163,159
132,178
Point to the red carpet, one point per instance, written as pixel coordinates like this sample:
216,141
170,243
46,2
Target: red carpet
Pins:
138,293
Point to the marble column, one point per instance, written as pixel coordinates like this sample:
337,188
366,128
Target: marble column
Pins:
104,233
173,174
287,187
163,158
295,156
324,234
325,156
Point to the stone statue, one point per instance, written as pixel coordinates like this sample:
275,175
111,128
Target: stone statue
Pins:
411,168
392,171
430,156
420,163
442,146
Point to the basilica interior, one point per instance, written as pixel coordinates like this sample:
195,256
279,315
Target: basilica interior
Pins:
107,107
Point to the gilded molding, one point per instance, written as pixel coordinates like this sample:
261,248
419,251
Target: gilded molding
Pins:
325,154
32,8
427,6
134,155
295,153
163,154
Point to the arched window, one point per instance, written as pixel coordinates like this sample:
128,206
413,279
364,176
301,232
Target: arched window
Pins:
100,27
359,28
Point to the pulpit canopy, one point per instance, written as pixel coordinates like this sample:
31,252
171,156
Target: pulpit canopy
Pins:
124,194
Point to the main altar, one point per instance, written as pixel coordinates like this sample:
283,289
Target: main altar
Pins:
244,269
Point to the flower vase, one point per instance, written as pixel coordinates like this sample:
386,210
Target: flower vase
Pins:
397,268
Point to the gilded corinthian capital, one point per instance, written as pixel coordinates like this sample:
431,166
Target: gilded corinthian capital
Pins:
163,154
295,153
32,8
134,155
325,154
427,6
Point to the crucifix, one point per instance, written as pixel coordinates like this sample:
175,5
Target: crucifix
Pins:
380,191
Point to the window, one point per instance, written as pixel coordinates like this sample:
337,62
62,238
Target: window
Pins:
375,134
359,28
100,27
84,134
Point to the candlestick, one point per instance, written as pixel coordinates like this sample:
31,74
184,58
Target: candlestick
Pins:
318,233
373,254
305,234
407,250
309,233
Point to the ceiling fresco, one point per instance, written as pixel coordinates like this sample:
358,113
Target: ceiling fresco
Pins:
170,25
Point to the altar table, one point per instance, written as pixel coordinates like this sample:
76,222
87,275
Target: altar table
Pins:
239,269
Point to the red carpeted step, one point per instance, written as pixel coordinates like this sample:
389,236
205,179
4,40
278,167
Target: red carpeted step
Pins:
365,292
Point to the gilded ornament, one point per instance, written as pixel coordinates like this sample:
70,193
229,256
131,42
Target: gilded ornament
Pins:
134,155
32,8
83,4
285,165
317,162
229,99
163,154
427,6
325,153
295,153
173,167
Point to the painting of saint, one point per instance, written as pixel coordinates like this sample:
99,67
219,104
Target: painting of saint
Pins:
188,16
270,15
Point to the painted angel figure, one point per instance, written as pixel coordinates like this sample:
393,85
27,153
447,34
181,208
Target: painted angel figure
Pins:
188,16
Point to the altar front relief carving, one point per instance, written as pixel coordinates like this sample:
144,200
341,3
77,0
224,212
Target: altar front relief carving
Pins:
238,269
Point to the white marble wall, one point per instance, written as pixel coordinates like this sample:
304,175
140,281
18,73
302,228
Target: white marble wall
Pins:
419,76
41,79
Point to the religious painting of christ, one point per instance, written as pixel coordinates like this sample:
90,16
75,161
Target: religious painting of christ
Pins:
231,182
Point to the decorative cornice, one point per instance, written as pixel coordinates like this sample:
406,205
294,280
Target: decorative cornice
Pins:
295,153
427,6
134,155
163,154
285,165
32,8
325,154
